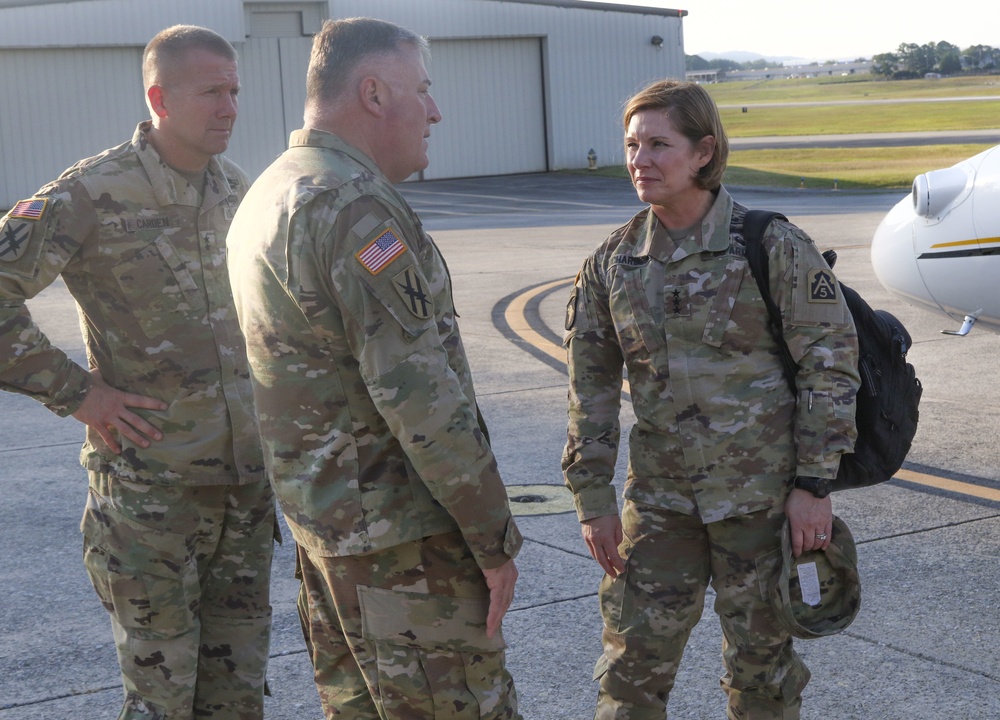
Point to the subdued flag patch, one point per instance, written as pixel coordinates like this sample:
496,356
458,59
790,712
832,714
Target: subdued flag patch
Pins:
376,255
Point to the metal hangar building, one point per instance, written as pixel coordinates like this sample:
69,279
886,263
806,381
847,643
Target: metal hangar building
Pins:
523,85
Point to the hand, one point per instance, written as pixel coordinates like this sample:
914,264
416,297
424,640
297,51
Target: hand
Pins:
501,583
603,535
106,409
808,518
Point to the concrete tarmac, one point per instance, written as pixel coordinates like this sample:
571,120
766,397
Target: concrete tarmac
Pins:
926,643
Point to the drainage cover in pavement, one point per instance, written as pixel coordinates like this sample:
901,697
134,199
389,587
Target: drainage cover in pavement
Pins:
539,499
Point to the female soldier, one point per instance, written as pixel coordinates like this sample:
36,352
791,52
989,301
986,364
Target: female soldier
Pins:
721,453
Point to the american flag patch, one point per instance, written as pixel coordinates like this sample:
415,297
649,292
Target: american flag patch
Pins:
29,209
381,251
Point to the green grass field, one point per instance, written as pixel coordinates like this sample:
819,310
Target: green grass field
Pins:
851,105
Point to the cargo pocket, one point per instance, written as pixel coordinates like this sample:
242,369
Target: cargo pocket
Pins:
144,577
768,565
420,642
815,416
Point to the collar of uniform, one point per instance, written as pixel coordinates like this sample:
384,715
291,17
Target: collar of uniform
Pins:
311,137
656,242
168,185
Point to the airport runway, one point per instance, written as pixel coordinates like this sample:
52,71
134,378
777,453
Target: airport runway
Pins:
926,643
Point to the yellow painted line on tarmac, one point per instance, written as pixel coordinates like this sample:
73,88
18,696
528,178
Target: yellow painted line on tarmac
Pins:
950,485
518,323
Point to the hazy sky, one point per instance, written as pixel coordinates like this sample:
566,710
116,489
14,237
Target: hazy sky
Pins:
830,30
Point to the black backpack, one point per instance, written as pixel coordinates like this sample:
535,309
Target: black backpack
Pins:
887,402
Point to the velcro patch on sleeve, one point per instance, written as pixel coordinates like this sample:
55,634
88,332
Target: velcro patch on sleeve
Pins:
411,288
32,209
377,255
17,226
822,286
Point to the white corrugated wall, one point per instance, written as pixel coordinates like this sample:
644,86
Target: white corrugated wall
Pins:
61,105
556,81
593,60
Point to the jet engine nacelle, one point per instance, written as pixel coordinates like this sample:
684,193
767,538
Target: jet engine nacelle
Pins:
940,246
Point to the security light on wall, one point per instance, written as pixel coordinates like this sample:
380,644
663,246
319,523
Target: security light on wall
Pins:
657,42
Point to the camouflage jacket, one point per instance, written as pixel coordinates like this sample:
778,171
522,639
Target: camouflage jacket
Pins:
144,257
717,432
367,409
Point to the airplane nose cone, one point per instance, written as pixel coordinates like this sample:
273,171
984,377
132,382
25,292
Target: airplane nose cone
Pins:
893,258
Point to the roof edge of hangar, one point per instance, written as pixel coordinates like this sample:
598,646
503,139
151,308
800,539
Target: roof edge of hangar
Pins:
613,7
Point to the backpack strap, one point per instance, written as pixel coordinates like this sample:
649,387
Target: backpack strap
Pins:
754,224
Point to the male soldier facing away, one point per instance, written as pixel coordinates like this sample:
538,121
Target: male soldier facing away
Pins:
179,523
367,409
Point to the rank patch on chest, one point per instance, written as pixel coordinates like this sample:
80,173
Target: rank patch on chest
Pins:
376,255
411,288
822,286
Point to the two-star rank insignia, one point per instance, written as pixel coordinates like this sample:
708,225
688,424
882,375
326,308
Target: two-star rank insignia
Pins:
822,286
16,227
410,287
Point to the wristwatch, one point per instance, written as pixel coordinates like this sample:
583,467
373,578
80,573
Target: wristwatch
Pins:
819,487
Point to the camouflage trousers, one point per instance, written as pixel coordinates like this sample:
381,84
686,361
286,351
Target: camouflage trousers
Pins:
401,634
651,609
185,574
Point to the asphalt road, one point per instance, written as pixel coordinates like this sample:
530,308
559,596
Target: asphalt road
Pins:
926,643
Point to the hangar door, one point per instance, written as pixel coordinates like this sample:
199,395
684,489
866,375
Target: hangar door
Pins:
273,76
492,100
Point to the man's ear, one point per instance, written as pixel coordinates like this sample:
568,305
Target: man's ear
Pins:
372,95
155,96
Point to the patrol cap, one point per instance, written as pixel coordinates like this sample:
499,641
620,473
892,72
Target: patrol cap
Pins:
819,592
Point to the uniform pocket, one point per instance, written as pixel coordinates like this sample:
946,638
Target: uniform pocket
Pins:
160,290
433,655
145,578
637,326
431,622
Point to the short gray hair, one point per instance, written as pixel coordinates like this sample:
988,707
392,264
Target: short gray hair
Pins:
342,45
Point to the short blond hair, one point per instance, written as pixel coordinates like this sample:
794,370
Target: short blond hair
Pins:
169,46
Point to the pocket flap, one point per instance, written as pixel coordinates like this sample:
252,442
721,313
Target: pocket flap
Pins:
433,622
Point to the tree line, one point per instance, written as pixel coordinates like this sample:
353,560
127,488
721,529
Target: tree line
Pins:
914,61
910,60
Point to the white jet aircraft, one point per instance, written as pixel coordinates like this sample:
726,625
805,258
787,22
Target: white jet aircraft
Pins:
940,246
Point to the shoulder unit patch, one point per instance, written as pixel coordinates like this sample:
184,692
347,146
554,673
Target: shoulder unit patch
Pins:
411,289
822,286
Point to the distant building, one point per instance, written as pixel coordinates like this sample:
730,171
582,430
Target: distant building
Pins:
702,76
523,85
780,72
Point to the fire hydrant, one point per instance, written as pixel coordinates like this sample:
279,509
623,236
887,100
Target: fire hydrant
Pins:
591,160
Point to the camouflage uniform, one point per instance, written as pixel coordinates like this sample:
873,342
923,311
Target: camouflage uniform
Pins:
369,423
717,441
178,536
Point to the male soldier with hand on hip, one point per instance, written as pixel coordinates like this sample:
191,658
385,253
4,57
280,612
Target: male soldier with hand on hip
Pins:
179,523
368,414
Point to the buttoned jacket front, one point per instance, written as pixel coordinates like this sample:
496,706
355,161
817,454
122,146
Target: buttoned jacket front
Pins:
143,253
717,432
